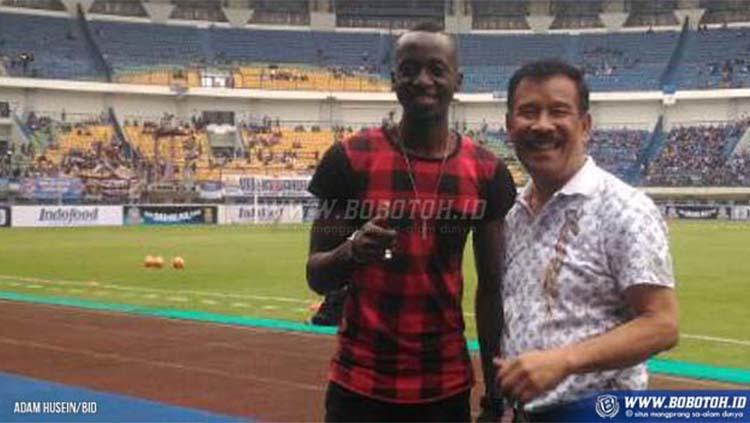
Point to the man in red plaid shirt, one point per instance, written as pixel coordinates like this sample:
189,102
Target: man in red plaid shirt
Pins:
397,205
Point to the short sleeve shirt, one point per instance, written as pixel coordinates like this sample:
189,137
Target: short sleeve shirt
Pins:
567,270
402,335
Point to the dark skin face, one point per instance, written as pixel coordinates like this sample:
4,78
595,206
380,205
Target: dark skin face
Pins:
548,130
426,75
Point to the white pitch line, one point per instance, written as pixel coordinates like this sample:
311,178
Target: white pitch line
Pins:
710,383
178,299
162,291
131,292
716,339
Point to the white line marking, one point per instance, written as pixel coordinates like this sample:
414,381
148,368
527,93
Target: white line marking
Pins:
269,307
140,289
178,299
714,383
130,292
716,339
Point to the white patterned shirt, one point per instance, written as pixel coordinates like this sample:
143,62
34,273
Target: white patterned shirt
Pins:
567,270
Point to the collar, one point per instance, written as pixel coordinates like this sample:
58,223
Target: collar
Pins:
584,183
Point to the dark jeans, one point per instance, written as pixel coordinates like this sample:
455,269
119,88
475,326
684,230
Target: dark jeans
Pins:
343,405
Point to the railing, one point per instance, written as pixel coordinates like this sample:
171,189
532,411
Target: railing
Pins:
93,45
667,80
649,151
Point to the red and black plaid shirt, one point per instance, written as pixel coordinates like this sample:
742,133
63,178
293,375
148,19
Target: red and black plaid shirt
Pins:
402,335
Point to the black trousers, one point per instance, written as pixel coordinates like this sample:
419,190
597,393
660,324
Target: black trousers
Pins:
343,405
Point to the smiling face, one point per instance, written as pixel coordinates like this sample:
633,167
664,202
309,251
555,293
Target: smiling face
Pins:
548,129
426,74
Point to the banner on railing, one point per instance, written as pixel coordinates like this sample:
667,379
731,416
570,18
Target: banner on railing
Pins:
741,213
261,214
269,187
170,215
52,216
49,189
210,190
112,189
4,216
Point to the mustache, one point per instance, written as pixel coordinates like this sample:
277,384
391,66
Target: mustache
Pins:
531,140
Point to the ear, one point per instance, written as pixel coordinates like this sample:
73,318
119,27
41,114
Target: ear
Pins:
459,81
508,121
586,127
393,80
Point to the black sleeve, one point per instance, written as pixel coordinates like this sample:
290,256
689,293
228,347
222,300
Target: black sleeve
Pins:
501,193
333,178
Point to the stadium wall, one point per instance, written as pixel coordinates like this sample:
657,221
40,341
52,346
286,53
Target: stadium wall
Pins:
267,212
631,109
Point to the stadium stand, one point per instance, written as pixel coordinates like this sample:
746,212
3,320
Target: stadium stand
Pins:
716,58
131,45
208,55
167,54
163,54
45,47
701,155
616,150
175,151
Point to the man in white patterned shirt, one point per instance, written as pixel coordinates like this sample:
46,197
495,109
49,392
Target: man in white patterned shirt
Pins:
588,288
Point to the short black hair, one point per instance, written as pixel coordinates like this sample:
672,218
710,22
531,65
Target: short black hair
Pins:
434,27
547,68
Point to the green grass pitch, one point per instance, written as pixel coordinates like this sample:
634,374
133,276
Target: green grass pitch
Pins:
258,271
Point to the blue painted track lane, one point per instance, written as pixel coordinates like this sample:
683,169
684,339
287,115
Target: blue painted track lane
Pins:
23,399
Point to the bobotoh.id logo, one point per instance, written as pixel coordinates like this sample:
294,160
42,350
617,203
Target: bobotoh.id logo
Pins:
607,406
